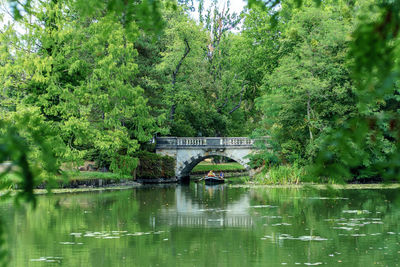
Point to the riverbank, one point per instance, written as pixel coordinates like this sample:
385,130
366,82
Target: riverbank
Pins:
235,182
295,174
122,186
82,181
325,186
75,179
235,174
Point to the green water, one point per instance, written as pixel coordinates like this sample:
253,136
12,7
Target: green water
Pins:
198,225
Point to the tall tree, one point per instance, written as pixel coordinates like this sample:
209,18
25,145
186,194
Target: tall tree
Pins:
79,72
310,90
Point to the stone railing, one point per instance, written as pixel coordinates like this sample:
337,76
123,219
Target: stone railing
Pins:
238,141
215,142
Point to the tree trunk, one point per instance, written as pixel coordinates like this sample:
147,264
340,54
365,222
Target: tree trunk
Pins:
309,115
174,74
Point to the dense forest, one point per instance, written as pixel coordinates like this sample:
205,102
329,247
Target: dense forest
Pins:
86,81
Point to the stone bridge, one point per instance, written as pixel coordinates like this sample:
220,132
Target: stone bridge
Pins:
189,151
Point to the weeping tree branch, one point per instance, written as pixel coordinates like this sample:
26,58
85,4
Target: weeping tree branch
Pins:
175,73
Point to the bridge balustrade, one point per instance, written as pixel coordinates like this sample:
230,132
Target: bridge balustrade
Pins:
169,142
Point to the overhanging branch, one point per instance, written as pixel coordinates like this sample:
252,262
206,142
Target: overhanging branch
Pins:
240,100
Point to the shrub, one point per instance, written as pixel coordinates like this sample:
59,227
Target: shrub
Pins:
154,166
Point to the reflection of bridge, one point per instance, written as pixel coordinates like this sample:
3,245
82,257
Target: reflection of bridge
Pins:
189,151
191,211
205,221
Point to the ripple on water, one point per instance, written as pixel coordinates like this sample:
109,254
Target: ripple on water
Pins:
301,238
279,224
311,238
343,228
70,243
356,211
114,234
76,234
262,206
356,235
49,259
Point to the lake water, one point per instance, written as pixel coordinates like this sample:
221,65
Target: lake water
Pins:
198,225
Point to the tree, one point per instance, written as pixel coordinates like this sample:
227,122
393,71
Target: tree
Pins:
204,93
310,91
79,73
368,144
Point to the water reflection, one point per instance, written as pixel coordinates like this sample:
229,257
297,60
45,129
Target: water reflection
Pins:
208,225
209,207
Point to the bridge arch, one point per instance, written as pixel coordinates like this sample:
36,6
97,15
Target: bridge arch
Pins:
189,151
193,161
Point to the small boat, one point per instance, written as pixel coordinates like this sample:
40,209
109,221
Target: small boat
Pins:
214,180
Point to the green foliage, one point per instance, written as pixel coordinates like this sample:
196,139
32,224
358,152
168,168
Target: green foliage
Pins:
75,175
31,146
374,133
81,79
154,166
310,87
67,179
4,257
331,100
282,174
205,94
146,14
273,4
315,103
90,80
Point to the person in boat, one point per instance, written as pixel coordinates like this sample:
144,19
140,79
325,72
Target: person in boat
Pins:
221,175
211,174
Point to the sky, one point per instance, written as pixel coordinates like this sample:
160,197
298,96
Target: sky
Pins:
3,12
235,6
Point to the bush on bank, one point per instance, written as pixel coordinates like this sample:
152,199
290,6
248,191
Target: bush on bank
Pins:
154,166
150,166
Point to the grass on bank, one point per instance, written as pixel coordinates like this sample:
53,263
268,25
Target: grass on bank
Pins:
282,174
206,167
295,174
79,175
10,179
